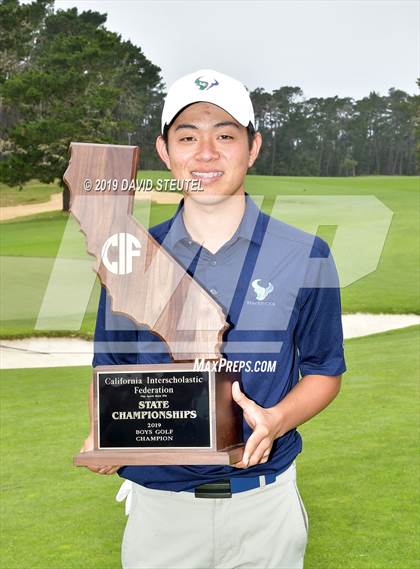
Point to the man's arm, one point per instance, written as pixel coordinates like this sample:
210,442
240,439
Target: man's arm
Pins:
319,341
310,396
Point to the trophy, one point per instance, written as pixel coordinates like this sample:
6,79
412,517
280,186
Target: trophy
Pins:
159,413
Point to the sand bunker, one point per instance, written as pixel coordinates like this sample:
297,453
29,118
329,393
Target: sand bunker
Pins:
10,212
56,202
58,352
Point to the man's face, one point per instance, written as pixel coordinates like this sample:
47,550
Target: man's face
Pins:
208,144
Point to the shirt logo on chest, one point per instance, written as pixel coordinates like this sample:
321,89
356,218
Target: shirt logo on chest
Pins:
261,293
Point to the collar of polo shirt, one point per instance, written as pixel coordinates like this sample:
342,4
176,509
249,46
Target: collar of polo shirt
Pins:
249,227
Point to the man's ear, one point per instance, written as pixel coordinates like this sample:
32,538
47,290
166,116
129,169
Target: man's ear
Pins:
162,150
255,149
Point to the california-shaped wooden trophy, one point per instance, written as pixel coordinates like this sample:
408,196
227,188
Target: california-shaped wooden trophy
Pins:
150,414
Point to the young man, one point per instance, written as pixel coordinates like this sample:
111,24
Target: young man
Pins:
279,288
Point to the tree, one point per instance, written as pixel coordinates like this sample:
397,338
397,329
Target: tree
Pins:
277,115
64,77
78,81
349,165
19,30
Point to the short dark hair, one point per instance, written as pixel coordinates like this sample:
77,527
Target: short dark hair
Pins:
250,130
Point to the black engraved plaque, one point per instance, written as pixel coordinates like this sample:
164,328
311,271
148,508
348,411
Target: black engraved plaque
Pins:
162,409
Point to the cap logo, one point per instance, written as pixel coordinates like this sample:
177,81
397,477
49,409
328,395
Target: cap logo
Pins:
205,85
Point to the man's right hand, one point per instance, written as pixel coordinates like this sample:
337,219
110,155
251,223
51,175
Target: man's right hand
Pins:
88,446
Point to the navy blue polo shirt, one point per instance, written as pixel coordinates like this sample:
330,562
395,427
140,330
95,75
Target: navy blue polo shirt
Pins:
279,289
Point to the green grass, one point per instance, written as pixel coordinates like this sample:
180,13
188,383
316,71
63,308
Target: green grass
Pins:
360,465
29,245
32,192
358,473
53,515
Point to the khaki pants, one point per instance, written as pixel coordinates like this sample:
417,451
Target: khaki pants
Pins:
261,528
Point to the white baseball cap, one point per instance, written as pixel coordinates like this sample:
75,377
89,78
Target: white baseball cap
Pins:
209,86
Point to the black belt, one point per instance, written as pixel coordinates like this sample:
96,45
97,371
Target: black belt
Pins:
218,489
225,488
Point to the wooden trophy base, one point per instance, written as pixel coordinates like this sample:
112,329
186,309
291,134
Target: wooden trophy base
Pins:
159,457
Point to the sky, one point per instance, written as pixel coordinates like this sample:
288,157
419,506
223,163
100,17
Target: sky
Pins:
326,47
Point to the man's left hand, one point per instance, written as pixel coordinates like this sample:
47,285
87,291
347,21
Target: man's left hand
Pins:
265,424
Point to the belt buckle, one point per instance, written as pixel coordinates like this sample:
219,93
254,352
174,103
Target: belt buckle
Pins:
217,489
